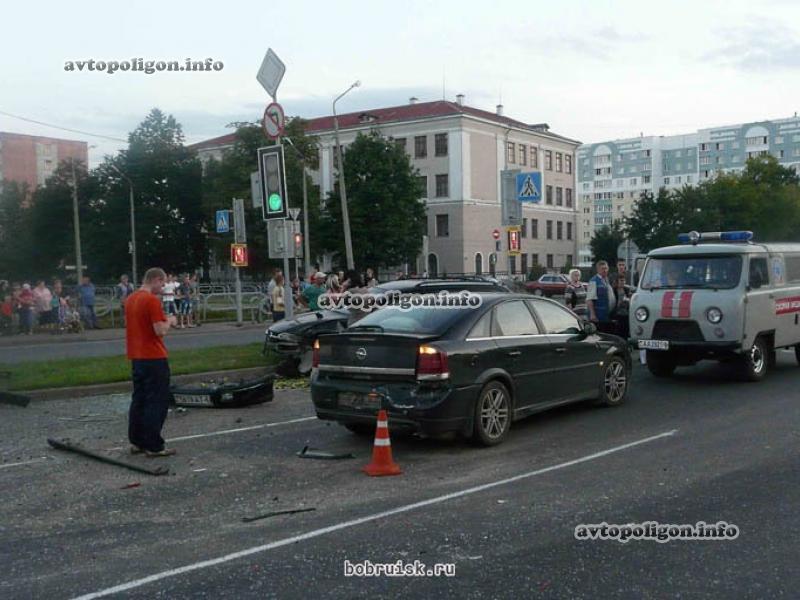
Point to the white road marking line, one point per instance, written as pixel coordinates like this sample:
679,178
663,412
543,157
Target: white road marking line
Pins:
227,431
27,462
346,524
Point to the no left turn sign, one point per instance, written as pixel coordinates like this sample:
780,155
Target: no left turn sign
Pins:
274,120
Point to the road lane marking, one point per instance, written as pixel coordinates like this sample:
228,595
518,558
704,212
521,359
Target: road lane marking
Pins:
227,431
20,464
347,524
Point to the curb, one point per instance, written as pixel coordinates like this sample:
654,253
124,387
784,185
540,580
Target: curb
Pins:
125,386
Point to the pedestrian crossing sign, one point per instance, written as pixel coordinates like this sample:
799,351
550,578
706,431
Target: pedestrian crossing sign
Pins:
223,221
529,186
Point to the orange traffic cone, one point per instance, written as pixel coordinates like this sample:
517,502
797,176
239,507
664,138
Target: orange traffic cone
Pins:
382,463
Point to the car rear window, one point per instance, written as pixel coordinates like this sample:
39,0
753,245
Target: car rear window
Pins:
426,320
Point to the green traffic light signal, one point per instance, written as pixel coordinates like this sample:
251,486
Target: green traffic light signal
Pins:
275,202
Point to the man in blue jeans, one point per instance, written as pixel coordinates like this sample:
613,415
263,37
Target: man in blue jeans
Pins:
86,293
145,328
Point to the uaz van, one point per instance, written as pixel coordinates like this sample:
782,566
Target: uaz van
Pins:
718,296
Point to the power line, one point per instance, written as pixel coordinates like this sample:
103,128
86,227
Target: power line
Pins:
97,135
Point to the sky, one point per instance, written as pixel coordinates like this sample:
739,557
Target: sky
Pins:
593,71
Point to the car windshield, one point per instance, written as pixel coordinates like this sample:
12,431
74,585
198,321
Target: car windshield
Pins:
712,272
427,320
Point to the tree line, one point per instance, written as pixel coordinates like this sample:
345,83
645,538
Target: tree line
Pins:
176,198
763,198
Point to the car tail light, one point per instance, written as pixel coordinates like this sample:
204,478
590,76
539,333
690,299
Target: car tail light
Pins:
315,354
431,364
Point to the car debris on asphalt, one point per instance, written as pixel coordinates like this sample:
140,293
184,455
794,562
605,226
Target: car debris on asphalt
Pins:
276,513
68,446
308,452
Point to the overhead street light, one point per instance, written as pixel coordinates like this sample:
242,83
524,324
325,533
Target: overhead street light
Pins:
348,243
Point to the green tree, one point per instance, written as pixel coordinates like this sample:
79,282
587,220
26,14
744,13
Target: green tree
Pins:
655,220
605,242
170,224
387,216
229,178
15,239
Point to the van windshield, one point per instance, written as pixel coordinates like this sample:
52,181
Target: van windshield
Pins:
712,272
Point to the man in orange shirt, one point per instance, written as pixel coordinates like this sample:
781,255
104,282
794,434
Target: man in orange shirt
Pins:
146,326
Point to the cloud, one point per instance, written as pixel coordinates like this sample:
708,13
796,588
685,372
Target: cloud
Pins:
760,46
601,43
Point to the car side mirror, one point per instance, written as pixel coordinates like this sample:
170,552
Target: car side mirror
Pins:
589,328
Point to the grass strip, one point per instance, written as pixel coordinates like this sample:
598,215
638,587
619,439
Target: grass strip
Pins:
74,372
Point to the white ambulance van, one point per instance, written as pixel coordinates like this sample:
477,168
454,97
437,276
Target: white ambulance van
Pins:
717,296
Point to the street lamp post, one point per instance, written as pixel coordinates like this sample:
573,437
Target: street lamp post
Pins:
133,225
348,243
77,226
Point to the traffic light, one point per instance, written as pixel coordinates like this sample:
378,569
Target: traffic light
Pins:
514,246
273,182
238,255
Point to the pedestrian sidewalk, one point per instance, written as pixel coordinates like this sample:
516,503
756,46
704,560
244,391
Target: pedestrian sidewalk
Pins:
118,333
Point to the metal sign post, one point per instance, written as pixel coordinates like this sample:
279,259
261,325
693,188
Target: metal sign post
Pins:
240,237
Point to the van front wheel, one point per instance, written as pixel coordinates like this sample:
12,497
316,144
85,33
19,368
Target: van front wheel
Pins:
797,353
755,362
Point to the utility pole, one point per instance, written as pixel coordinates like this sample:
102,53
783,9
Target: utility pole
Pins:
306,243
77,225
288,300
132,210
348,242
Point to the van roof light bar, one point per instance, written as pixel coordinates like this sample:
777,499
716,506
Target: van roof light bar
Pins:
695,237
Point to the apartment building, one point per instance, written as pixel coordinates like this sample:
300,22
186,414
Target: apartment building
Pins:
32,159
612,175
459,152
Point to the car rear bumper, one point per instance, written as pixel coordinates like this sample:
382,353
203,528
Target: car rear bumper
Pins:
430,410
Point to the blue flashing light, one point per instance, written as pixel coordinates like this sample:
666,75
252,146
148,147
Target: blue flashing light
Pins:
736,236
683,238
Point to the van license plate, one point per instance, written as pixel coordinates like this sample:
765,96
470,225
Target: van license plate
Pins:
653,345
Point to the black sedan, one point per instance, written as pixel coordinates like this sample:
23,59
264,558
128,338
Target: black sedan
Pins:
292,338
468,370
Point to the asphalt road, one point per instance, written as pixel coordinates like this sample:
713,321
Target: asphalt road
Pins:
211,335
698,447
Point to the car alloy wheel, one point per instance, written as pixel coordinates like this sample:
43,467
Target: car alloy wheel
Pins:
615,382
493,414
756,361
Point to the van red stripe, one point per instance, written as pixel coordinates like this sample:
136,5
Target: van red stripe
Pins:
666,304
685,305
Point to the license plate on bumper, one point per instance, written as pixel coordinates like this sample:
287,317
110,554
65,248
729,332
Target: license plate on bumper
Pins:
653,344
359,400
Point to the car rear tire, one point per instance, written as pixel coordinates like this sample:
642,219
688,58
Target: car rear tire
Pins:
538,292
755,363
660,364
614,385
797,353
492,418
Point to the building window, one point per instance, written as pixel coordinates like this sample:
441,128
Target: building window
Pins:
548,160
778,139
666,180
535,229
568,158
442,186
559,162
534,157
559,230
534,260
645,178
549,261
559,196
569,197
523,263
569,231
524,230
756,141
549,194
422,182
549,230
400,143
719,146
523,154
512,154
442,226
420,146
440,144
